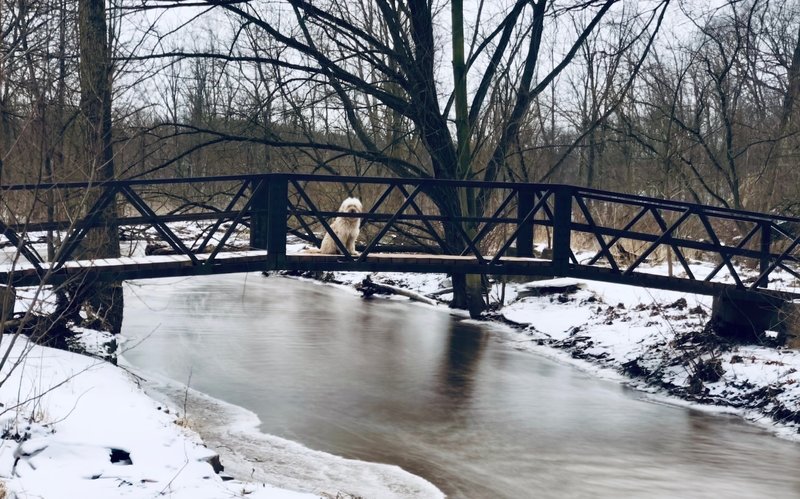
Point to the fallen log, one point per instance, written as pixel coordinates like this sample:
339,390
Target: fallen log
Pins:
368,287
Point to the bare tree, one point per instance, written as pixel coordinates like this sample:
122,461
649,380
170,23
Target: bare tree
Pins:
368,63
95,107
732,106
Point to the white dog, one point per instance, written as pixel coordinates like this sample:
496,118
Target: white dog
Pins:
346,229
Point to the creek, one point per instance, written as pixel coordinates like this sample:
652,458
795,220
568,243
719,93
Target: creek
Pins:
456,403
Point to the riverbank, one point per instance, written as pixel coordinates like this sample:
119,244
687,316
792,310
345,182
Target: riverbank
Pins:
77,426
655,341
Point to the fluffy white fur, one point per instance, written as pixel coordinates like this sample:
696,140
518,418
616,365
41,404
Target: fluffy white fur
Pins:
346,229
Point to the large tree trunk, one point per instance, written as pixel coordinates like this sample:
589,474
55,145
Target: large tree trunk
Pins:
105,300
467,288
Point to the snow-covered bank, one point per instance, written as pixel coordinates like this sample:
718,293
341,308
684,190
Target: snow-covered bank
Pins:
654,340
74,426
248,453
66,417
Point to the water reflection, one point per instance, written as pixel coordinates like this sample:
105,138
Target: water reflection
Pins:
390,382
461,361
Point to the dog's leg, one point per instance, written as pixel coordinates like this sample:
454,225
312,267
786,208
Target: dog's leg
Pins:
351,246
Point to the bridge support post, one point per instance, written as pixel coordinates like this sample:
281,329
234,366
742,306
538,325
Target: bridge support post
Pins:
562,229
258,219
525,202
268,221
766,243
745,319
277,220
8,296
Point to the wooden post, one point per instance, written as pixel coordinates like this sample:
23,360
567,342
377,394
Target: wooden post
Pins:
277,215
259,219
562,229
744,319
8,296
525,202
766,243
790,320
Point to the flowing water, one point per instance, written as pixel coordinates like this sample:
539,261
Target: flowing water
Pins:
391,382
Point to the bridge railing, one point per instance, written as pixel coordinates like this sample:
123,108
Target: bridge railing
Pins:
732,241
587,232
66,213
412,215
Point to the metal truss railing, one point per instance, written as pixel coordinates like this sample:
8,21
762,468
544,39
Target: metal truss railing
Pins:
428,216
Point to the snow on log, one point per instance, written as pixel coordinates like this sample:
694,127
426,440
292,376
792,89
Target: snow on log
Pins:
368,288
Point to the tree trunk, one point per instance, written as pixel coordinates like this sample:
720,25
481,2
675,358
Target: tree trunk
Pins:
467,288
105,300
466,294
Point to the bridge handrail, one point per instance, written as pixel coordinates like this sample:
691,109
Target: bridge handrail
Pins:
598,194
267,201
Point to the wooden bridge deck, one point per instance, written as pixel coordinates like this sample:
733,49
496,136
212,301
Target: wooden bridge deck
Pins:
154,266
123,268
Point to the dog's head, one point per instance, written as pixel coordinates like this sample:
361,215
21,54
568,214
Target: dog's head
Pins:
351,205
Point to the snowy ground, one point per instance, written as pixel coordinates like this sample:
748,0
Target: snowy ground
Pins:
75,426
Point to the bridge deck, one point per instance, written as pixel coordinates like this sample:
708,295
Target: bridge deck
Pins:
126,268
25,274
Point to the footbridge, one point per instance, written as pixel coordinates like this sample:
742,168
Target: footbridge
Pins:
224,224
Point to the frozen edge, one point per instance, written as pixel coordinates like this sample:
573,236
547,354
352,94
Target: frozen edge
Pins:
254,456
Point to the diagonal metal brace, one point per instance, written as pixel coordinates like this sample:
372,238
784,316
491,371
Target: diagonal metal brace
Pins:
220,220
764,274
726,258
604,248
528,216
660,240
161,228
74,239
22,247
389,223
